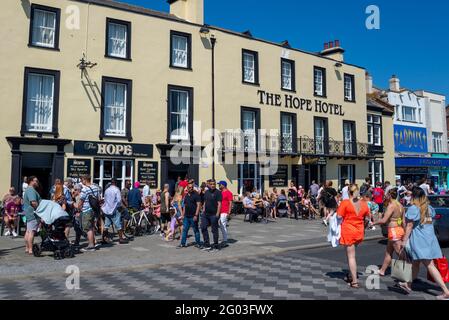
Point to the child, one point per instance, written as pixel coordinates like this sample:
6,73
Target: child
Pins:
157,212
307,203
11,211
373,208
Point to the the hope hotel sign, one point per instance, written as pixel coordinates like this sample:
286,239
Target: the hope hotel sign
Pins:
292,102
105,149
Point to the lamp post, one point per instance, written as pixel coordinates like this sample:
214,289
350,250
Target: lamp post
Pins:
205,31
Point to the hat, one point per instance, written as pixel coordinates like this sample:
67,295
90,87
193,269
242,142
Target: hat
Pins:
347,181
183,184
223,183
137,184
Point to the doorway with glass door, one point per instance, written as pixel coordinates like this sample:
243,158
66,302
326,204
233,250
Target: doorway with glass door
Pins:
249,178
107,169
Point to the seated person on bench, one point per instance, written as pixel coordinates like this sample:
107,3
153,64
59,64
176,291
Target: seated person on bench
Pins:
250,208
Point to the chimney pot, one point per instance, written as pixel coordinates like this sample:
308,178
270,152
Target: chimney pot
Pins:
326,46
337,43
331,44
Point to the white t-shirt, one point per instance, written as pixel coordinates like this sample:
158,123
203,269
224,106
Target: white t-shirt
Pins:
345,193
146,191
24,187
426,188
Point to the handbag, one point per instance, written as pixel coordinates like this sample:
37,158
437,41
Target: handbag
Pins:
401,270
443,267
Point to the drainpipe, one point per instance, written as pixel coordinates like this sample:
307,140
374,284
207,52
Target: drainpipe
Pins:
213,40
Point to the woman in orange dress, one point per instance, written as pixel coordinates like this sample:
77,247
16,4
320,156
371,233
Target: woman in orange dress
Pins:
354,213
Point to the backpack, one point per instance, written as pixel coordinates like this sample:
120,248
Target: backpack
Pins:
363,189
94,203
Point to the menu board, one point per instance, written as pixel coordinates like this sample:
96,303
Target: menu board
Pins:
280,178
148,171
76,168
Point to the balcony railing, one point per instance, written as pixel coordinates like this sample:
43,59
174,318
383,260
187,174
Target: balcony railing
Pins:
286,145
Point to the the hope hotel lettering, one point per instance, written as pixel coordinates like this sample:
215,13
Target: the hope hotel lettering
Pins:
111,149
297,103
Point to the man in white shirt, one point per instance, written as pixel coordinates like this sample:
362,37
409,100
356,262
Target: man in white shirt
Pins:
345,191
146,189
112,201
426,187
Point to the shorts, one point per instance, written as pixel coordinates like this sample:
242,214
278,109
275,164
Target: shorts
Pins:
396,234
165,217
87,220
32,225
115,219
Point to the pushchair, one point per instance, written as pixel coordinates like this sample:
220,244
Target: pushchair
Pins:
54,221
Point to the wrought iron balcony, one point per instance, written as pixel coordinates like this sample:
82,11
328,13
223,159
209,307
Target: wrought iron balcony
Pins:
286,145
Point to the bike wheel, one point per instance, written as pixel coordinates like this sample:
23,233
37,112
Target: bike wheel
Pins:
37,250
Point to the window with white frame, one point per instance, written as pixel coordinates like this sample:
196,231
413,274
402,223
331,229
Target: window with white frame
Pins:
437,142
408,114
319,82
374,130
180,50
250,67
106,170
40,100
115,105
44,26
375,171
287,72
118,45
349,87
249,178
249,129
287,133
179,114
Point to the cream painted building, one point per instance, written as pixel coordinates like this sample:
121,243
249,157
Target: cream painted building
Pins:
113,90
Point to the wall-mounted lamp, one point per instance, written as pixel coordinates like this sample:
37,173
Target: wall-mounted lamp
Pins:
338,65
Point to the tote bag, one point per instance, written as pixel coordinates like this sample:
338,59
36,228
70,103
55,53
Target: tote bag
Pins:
401,270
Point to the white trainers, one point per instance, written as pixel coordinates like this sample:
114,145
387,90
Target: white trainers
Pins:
325,222
7,233
14,234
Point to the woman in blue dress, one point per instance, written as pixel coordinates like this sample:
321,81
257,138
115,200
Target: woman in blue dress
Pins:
420,240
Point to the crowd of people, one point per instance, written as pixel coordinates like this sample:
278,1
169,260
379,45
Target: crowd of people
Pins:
209,205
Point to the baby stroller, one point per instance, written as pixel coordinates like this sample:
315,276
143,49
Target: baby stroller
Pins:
54,221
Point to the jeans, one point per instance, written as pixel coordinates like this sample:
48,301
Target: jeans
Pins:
223,226
115,219
189,222
213,220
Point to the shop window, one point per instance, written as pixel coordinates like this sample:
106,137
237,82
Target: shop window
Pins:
375,171
346,172
180,55
44,27
118,39
249,178
106,170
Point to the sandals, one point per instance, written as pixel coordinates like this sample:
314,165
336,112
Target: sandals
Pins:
404,287
354,285
443,297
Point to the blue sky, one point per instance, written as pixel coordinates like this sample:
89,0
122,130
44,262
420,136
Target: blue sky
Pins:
413,40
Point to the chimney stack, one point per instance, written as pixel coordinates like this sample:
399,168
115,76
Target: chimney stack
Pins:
333,50
369,83
189,10
395,84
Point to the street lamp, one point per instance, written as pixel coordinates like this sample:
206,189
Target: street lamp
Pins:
205,32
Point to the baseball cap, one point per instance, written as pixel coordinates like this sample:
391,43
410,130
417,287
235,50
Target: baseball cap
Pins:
223,183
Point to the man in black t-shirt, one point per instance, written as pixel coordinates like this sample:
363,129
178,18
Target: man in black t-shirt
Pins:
211,215
190,213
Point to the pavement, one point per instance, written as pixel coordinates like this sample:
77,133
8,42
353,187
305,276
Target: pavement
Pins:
245,240
286,260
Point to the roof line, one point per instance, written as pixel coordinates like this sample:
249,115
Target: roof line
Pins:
167,16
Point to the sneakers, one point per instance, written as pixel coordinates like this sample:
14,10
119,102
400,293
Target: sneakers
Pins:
372,228
206,247
181,246
14,234
214,248
224,244
158,227
7,233
198,246
325,222
88,249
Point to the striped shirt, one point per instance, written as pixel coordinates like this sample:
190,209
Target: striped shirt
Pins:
94,190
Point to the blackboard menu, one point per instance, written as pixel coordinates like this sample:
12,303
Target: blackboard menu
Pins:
148,170
280,178
76,168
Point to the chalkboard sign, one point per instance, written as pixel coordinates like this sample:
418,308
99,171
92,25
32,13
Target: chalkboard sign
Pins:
148,170
76,168
280,178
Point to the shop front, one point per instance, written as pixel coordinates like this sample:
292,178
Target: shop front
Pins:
414,169
105,161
